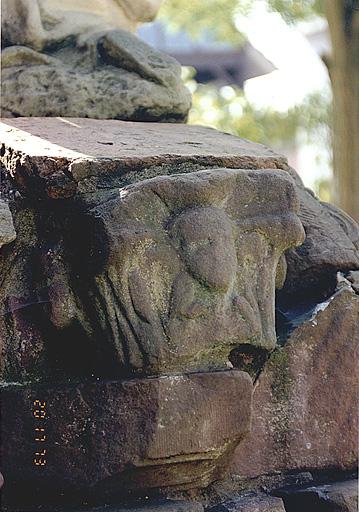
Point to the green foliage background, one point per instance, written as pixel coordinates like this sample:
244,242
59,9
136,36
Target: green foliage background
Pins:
227,108
218,16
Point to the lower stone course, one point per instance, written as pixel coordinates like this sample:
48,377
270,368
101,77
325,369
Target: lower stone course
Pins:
336,497
164,506
253,503
306,400
98,426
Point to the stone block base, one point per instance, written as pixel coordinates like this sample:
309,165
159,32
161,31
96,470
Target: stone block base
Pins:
102,438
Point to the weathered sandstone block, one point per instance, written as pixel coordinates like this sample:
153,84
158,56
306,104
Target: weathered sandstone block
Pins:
335,497
306,400
168,274
251,503
148,251
76,58
101,438
133,259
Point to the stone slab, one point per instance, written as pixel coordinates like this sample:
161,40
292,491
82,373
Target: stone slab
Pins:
157,506
331,245
60,157
335,497
74,138
168,506
142,506
68,151
108,75
253,503
136,434
306,400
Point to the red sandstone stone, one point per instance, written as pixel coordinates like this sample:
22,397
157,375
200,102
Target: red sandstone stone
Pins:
306,401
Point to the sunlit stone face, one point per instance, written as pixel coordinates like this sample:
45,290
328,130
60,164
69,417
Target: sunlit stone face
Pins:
173,273
118,302
129,305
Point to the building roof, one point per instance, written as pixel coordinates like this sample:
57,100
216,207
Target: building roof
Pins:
215,62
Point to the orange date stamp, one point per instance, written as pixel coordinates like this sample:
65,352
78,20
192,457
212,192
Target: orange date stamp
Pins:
40,433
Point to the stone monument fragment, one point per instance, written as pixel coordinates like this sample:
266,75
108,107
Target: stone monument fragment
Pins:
259,502
338,497
172,276
154,272
78,58
304,406
175,306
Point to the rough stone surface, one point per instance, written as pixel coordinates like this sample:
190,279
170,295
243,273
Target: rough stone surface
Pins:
103,437
174,506
156,248
144,505
337,497
62,157
7,230
151,506
353,278
167,272
252,503
59,158
74,158
115,75
306,400
331,244
167,276
169,506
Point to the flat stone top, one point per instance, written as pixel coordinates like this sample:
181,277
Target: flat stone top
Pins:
61,157
78,138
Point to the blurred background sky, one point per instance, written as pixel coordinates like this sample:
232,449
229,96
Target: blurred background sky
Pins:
269,84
